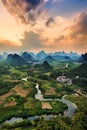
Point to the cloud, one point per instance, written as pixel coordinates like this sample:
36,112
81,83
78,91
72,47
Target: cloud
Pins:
49,33
59,38
31,41
75,37
50,21
8,46
53,29
26,10
79,26
78,30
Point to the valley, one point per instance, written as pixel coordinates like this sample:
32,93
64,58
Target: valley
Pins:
42,91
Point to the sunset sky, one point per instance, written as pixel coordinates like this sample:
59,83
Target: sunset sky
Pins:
50,25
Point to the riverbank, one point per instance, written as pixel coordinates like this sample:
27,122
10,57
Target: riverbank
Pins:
71,106
39,96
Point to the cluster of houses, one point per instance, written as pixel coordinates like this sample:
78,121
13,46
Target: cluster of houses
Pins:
64,79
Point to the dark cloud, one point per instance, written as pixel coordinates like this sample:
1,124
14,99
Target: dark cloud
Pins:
50,21
31,41
26,10
79,26
78,31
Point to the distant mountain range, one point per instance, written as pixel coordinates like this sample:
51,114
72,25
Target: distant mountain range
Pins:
30,57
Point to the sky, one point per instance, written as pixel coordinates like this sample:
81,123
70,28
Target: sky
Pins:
49,25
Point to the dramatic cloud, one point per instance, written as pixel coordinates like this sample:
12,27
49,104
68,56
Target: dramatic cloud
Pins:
76,34
79,26
26,10
52,30
78,31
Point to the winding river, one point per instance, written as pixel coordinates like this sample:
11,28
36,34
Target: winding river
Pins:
39,96
71,106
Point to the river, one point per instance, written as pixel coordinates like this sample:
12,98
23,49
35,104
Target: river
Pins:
71,106
39,96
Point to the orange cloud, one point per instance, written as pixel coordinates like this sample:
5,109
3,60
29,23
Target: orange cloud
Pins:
26,10
48,33
9,46
75,38
79,26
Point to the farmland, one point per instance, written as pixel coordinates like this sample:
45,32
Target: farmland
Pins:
17,96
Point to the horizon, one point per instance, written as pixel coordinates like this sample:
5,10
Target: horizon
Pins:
49,25
41,51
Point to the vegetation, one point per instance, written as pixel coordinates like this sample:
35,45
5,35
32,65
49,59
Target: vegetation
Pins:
81,71
13,88
5,86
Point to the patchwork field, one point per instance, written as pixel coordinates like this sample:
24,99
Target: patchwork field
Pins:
10,103
4,96
46,105
22,92
50,91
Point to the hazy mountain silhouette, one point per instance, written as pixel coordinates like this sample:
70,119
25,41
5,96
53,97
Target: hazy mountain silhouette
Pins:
28,57
15,59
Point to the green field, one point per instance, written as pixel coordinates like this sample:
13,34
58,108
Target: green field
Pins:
17,97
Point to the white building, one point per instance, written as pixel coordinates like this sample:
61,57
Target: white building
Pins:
64,79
